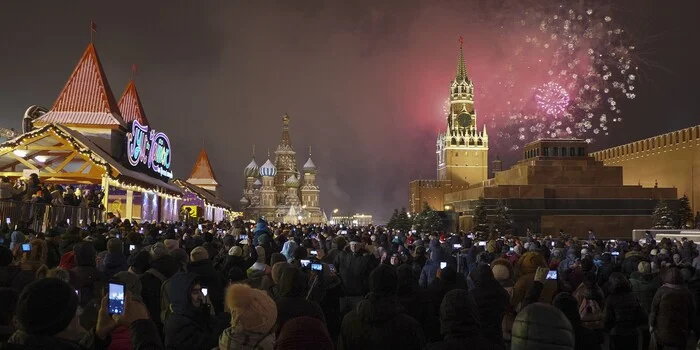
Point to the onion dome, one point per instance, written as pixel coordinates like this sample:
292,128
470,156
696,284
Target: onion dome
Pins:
309,166
268,169
257,183
244,201
292,181
252,170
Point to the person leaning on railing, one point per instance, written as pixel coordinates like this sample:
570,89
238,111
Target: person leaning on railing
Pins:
7,190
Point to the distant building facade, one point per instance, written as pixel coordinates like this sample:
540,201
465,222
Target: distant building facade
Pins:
352,220
462,150
668,160
278,191
557,185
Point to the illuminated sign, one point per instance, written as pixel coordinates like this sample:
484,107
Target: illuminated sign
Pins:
149,148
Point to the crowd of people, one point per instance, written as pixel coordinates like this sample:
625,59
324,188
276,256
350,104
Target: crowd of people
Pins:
239,285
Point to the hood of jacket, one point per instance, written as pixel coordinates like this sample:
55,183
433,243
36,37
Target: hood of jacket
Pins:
84,254
459,314
378,310
542,326
179,292
167,265
202,267
114,261
288,250
293,283
236,338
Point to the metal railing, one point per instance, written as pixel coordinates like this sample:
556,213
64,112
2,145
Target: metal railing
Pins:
40,216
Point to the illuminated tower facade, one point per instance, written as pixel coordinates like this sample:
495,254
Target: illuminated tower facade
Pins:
285,162
462,150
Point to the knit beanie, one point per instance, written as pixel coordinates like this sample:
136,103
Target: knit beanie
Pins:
235,251
383,281
139,261
67,261
131,282
251,309
46,307
303,333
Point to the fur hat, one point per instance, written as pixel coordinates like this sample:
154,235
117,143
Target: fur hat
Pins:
278,270
171,244
251,309
235,251
46,307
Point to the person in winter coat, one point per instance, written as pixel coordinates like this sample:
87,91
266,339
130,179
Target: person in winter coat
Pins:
85,276
293,287
379,322
427,275
253,316
416,302
447,280
525,269
115,261
354,267
631,261
304,333
459,324
492,301
644,285
540,326
47,319
162,267
622,313
586,339
208,277
672,315
53,256
190,325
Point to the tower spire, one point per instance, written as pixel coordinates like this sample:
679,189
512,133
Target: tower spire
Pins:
461,67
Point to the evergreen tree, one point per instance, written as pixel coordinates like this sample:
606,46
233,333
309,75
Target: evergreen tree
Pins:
685,214
663,217
501,219
403,222
428,220
393,220
480,219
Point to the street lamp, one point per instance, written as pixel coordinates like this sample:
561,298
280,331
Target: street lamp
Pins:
335,211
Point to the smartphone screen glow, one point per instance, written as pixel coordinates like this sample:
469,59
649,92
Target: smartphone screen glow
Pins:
116,298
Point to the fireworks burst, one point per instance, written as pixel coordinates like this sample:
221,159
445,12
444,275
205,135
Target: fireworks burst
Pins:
552,98
583,69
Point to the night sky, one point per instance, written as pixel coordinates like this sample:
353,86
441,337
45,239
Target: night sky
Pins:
364,81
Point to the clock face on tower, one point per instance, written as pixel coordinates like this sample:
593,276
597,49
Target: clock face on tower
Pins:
464,120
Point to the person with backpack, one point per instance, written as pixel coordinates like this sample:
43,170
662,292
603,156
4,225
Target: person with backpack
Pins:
589,298
163,266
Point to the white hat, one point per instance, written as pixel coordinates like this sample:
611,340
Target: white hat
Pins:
654,252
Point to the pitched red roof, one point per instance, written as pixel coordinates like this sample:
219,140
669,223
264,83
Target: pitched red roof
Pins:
202,168
86,98
130,105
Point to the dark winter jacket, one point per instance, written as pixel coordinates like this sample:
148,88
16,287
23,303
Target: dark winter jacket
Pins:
672,311
354,271
459,324
294,284
143,336
151,282
380,324
631,262
492,301
212,280
187,327
53,255
416,302
114,263
622,312
429,271
14,277
85,276
540,326
644,287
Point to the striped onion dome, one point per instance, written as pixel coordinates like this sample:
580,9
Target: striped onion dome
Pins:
252,170
268,169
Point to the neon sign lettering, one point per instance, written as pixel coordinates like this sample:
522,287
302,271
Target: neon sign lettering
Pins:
149,148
